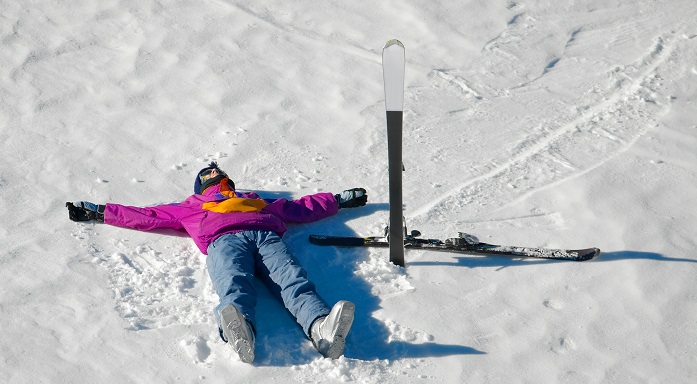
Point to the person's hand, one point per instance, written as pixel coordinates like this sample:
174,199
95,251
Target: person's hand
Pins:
351,198
85,211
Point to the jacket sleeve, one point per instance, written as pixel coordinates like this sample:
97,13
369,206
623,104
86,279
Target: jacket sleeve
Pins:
304,210
143,219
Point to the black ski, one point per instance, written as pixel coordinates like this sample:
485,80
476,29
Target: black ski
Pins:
393,74
465,243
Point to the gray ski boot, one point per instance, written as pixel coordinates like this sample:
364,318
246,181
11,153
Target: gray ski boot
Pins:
237,333
328,333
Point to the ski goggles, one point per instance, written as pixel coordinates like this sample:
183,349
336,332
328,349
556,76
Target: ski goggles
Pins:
207,174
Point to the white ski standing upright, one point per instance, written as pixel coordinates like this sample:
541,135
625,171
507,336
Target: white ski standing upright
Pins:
393,74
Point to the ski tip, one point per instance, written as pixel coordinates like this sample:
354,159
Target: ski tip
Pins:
597,252
588,254
393,42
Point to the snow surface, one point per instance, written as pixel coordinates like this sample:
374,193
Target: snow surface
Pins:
542,123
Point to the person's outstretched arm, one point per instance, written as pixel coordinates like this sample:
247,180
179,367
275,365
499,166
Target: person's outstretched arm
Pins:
317,206
143,219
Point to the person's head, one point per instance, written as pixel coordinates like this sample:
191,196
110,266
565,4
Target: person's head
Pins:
210,176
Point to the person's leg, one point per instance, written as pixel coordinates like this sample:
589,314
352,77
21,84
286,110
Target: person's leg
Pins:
230,265
282,272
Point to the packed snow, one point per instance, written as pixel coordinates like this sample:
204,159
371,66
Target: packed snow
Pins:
565,124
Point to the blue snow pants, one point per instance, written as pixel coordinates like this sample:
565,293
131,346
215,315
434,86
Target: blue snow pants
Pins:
235,259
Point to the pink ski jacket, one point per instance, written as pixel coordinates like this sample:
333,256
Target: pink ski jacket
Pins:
215,213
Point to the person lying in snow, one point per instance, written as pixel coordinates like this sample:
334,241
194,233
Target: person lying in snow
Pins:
241,234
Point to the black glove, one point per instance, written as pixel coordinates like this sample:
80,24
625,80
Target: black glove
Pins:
352,198
85,211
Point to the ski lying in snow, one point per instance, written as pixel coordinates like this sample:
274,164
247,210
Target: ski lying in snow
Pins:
464,243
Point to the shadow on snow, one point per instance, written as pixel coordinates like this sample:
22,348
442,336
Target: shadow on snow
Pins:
281,342
480,261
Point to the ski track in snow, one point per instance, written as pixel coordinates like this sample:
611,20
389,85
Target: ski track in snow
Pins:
619,115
